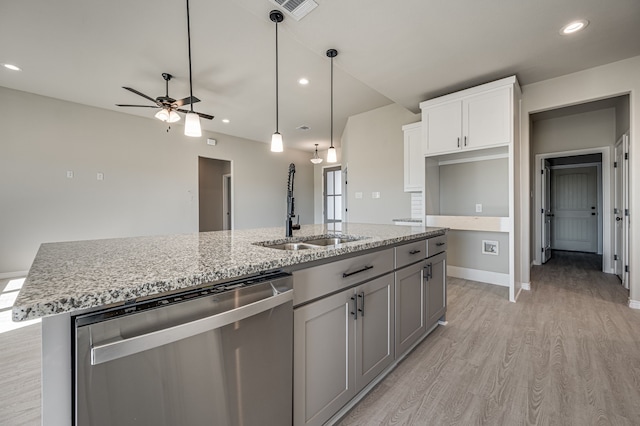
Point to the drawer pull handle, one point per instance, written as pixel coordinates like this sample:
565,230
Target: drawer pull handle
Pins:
366,268
440,244
415,251
361,310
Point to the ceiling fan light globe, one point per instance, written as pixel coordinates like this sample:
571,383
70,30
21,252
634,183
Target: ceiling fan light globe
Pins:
276,142
163,115
173,117
192,125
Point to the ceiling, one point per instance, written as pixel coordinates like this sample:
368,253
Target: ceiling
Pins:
405,52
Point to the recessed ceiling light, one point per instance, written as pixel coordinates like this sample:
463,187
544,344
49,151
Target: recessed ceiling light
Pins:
12,67
574,26
225,120
303,81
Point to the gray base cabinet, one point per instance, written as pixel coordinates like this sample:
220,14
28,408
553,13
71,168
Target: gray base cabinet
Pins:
341,343
436,283
410,302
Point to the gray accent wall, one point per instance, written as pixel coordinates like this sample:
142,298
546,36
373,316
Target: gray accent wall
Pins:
150,184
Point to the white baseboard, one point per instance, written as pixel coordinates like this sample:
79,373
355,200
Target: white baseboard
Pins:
535,263
634,304
16,274
526,286
489,277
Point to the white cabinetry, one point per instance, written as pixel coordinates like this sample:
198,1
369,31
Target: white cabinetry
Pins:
413,158
475,118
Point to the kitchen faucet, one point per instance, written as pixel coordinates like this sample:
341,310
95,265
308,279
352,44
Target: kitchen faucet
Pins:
290,203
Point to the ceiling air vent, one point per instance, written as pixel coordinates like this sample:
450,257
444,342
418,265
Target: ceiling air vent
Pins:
298,9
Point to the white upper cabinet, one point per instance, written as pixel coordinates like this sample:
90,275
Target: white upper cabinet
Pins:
413,158
475,118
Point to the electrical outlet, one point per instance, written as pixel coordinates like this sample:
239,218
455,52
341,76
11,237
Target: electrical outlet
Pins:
100,176
375,195
70,174
478,208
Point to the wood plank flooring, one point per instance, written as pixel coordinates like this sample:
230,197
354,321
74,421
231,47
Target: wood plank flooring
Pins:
568,353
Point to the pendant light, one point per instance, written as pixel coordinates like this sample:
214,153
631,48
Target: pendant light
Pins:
276,139
192,120
331,153
316,159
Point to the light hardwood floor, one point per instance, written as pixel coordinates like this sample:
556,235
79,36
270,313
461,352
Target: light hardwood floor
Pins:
568,353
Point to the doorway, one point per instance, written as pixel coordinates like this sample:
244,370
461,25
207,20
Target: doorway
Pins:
574,205
332,182
215,195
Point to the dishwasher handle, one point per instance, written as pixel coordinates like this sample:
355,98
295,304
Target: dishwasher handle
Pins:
124,347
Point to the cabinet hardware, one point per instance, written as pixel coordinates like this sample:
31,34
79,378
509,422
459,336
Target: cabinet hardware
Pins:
415,251
440,244
366,268
458,142
465,141
361,310
429,271
355,308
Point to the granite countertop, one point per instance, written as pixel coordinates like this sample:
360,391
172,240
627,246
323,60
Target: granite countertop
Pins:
79,275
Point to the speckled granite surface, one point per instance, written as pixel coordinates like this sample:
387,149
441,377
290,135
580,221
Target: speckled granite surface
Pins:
408,219
78,275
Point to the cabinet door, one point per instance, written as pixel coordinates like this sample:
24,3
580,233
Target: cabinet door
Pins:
410,309
413,159
374,329
443,128
436,282
323,360
487,119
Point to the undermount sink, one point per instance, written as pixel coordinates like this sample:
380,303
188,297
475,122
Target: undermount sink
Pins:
310,243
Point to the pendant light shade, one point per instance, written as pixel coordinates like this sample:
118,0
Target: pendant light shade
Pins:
192,125
276,139
276,142
331,153
316,159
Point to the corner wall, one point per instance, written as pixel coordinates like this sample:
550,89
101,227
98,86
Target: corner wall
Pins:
373,153
150,181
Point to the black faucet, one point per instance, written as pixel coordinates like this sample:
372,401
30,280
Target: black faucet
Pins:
290,203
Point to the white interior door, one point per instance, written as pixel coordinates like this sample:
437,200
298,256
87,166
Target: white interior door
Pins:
574,203
547,214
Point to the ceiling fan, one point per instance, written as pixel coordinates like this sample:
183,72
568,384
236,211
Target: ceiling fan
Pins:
168,106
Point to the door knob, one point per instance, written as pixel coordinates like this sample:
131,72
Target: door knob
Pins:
593,214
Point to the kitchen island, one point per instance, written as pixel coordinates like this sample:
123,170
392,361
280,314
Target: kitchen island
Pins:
75,278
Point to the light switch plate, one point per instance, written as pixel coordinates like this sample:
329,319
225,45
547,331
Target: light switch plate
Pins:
70,174
358,195
100,176
375,195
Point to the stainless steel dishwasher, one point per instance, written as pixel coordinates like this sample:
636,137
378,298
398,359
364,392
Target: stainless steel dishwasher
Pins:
219,355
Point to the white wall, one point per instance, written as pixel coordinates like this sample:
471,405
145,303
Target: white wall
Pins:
150,181
601,82
372,151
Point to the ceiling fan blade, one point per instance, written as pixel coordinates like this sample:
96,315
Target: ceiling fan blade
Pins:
138,106
202,115
140,94
186,101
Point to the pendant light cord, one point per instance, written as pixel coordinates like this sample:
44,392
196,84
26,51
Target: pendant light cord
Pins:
277,103
189,45
332,102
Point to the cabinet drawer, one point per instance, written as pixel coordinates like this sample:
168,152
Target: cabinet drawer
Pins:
436,245
314,282
407,254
